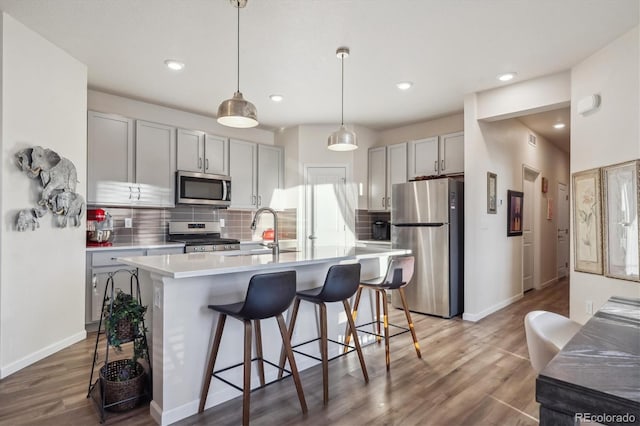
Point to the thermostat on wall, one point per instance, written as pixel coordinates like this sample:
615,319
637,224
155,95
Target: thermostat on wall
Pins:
588,103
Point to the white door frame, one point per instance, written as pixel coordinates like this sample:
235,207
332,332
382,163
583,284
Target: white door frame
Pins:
351,197
532,171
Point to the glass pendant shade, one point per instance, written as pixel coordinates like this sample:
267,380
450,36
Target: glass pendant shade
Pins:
237,112
343,140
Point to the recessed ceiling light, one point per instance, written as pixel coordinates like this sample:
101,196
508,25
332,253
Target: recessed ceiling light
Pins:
507,76
558,126
174,65
276,98
404,85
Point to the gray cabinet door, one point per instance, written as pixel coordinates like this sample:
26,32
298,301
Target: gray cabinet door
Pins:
109,156
377,178
270,175
452,153
242,169
423,157
190,156
396,168
156,162
216,154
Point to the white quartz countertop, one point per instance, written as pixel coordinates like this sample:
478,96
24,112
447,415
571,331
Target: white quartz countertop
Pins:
200,264
135,246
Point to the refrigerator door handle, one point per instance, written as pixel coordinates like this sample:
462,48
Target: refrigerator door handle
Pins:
418,225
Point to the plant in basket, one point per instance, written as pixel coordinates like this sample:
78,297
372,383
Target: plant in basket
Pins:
124,379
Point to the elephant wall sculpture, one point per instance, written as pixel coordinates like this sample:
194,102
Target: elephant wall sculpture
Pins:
58,178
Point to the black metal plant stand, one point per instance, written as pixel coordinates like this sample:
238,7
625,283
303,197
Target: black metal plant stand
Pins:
96,389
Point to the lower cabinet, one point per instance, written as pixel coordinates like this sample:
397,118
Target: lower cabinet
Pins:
100,264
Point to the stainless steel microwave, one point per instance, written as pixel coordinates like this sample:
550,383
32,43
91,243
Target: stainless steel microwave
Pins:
203,189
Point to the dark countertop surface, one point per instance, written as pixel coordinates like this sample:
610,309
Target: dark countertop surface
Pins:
604,356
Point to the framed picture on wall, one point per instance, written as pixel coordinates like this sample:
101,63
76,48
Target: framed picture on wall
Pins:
620,200
492,184
515,201
587,222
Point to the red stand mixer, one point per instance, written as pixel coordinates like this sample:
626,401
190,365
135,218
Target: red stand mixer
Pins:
99,228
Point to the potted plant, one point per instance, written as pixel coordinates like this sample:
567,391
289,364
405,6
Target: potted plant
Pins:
124,379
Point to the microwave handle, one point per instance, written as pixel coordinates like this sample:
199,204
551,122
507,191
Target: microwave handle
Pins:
225,190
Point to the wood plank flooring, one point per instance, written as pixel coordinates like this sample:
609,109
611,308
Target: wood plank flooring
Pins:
469,374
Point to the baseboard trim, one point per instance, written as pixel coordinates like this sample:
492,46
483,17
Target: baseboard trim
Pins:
41,354
548,283
477,317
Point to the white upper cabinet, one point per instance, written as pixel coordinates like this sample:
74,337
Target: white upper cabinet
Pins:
452,153
270,175
423,157
387,166
243,162
256,171
109,154
443,155
216,155
203,153
155,162
190,155
377,178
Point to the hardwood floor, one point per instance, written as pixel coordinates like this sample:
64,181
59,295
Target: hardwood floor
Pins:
469,374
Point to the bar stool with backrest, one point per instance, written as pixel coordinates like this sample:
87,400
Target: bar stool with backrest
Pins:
340,284
268,295
399,273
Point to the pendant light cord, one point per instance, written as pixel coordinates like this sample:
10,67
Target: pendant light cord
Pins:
238,47
342,99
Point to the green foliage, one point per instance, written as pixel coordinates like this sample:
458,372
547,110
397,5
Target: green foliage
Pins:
126,308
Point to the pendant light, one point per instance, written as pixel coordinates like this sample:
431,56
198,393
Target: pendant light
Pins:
342,139
238,112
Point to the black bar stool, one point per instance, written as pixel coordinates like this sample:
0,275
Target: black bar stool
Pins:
340,284
268,295
399,273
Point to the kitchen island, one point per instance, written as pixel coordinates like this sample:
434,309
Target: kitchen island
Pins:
182,325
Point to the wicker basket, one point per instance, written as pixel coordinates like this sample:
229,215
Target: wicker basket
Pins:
125,330
115,391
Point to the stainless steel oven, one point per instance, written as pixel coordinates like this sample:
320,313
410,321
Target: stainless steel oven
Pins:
203,189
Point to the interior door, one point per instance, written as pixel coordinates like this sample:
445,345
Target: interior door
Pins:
326,206
563,230
528,224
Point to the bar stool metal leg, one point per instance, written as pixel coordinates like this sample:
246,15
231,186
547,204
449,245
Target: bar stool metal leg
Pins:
292,362
385,315
411,328
352,330
212,360
246,390
258,331
378,316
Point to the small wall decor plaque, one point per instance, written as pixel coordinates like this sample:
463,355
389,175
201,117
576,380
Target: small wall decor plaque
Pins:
58,178
492,184
515,200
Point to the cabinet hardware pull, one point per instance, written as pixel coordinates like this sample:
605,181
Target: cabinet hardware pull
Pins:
435,166
443,168
388,202
382,201
130,192
259,200
199,162
206,164
138,193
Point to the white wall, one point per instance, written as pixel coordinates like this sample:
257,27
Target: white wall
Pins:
493,261
104,102
44,98
438,126
608,136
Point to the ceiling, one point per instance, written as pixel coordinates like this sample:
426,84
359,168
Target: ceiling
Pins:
447,48
542,123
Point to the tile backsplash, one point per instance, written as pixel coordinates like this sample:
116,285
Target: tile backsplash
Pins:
364,219
150,225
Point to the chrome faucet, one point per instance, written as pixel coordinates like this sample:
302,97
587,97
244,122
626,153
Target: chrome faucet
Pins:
274,245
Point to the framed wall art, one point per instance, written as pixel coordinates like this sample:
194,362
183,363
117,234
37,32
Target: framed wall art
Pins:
620,199
587,222
515,201
492,185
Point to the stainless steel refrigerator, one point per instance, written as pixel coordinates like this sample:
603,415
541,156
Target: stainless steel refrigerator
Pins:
427,217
